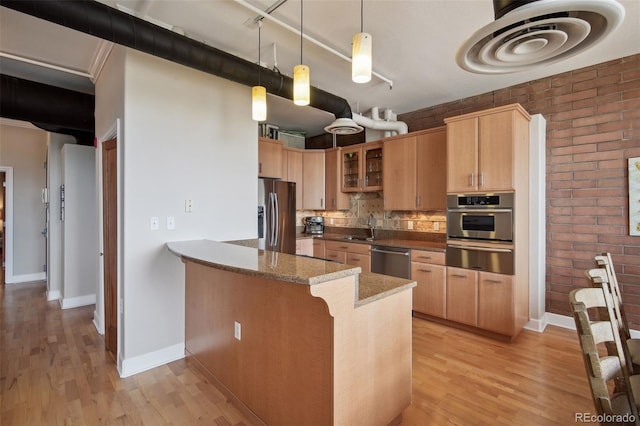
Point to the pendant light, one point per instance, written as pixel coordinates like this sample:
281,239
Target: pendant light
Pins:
301,83
259,92
361,54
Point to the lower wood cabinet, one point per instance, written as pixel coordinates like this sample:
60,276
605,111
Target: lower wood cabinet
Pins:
462,295
318,248
350,253
496,303
430,293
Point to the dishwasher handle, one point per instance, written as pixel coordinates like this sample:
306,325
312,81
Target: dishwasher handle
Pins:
400,253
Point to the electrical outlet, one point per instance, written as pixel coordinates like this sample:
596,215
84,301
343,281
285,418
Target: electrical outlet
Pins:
409,224
171,223
436,226
237,330
188,206
154,223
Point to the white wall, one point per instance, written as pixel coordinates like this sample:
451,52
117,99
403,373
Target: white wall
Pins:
79,240
186,135
54,241
25,149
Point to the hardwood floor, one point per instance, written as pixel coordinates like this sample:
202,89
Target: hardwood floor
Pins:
54,371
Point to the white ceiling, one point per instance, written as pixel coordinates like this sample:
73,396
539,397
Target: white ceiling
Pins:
414,45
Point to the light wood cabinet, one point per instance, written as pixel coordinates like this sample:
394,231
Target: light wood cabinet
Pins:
415,171
335,198
350,253
362,167
313,181
429,272
292,171
462,295
304,246
270,158
480,149
496,303
318,248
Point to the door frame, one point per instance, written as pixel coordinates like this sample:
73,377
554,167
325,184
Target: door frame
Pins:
8,230
99,320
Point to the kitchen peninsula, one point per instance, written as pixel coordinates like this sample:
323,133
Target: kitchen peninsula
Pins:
296,340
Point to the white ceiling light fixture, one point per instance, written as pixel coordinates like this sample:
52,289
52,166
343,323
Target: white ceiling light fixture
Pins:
301,79
343,126
361,55
259,92
531,33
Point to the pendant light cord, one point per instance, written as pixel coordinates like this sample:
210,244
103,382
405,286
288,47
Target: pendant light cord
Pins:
259,51
361,16
301,6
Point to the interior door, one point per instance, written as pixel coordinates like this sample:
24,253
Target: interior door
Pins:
110,247
2,229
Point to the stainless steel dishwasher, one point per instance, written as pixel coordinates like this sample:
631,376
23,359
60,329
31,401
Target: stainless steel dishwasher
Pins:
392,261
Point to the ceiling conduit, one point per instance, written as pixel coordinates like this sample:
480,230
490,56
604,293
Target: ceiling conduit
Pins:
110,24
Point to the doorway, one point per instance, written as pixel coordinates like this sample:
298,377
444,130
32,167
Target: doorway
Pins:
110,244
2,233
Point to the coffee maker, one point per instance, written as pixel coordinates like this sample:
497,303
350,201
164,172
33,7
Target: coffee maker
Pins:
313,224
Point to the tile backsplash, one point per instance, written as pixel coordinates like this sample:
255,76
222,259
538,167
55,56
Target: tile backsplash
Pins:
365,203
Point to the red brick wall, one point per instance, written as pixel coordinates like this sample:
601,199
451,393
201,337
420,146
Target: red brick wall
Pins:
593,127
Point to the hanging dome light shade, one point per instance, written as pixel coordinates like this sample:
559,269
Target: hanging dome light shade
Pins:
301,85
259,103
361,58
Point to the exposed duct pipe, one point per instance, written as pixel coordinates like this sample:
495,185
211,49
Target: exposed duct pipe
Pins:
110,24
400,127
51,108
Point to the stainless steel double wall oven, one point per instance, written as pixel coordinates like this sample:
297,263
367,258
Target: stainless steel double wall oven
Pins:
480,232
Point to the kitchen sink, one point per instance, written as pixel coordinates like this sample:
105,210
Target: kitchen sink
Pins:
357,238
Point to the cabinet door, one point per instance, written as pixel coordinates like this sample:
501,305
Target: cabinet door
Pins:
462,295
429,296
318,248
313,195
304,246
294,172
495,303
462,155
431,162
338,256
335,198
361,260
399,178
270,158
495,151
371,167
351,169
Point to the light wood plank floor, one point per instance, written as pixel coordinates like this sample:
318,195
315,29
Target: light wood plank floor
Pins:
54,371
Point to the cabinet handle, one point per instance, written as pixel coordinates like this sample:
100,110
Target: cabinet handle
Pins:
424,257
259,167
418,200
459,275
471,179
424,270
321,200
344,247
335,203
333,255
494,281
481,179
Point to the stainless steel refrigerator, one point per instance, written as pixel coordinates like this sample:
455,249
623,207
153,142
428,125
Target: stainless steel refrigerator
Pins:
277,215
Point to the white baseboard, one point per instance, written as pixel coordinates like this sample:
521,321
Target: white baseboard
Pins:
97,323
560,320
74,302
53,295
138,364
26,278
537,325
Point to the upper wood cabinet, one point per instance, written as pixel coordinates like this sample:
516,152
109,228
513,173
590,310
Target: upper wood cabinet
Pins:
292,171
335,198
481,146
313,181
362,167
415,171
270,158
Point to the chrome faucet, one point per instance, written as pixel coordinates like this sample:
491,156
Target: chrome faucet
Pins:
372,224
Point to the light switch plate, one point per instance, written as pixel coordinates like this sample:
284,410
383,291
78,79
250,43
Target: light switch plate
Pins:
154,223
171,223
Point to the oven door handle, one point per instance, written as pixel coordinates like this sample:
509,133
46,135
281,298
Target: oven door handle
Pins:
399,253
480,210
498,250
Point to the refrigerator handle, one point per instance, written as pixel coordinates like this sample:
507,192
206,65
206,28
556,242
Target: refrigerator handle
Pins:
277,227
271,219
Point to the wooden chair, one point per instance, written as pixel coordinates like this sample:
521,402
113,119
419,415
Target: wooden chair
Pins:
630,345
612,389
